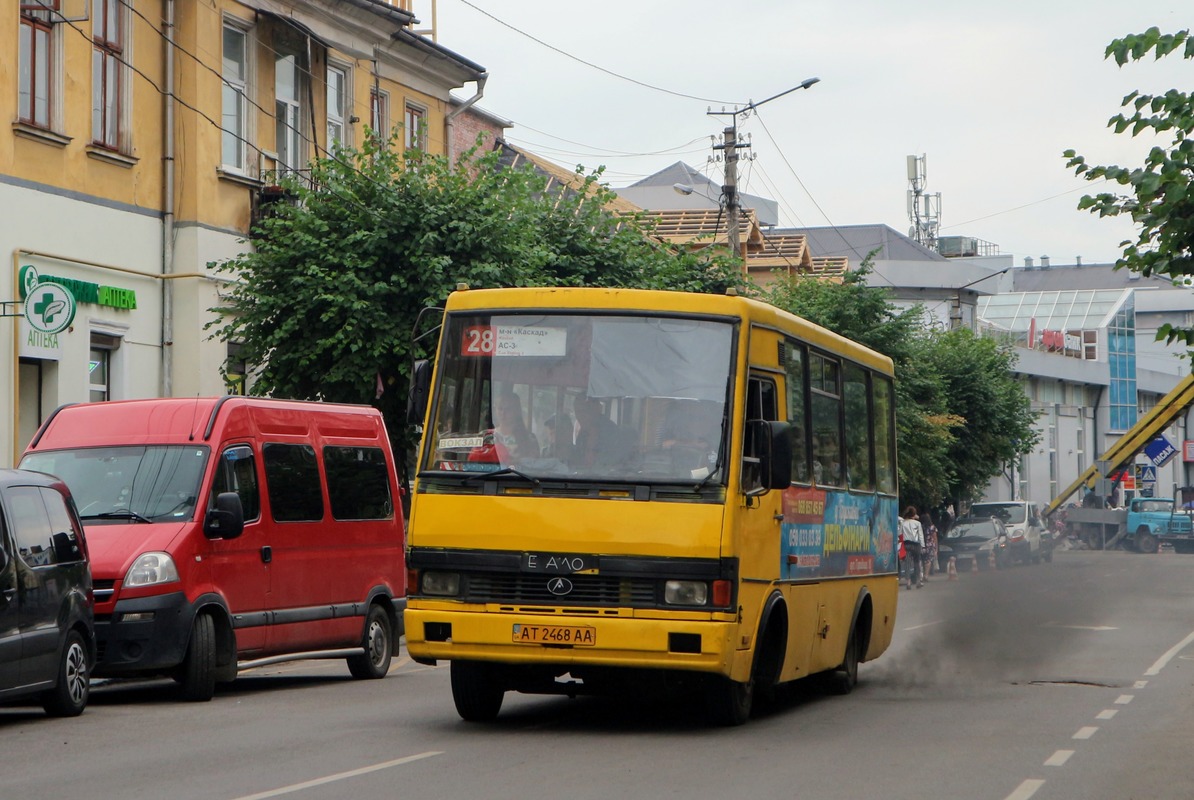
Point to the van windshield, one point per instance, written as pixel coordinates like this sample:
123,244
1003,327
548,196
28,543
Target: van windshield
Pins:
154,483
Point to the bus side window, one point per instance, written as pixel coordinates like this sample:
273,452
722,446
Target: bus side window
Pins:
761,403
797,415
237,472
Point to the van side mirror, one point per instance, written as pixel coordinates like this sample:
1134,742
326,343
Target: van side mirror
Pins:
227,519
420,384
768,463
3,558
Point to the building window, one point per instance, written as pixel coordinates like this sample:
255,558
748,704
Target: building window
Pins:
107,72
338,105
36,57
289,88
235,111
416,128
236,370
379,113
103,347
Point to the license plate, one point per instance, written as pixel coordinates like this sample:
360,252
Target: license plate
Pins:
575,635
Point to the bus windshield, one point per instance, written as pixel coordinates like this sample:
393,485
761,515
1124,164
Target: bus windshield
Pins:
569,395
152,483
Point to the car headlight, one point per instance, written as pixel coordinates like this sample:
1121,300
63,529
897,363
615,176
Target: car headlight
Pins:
686,593
151,569
444,584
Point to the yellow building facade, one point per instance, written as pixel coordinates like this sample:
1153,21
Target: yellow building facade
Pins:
143,138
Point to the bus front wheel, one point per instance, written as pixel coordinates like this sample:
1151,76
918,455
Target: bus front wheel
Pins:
476,691
729,701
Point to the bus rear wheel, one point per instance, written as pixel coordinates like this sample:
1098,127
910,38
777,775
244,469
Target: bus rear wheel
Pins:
843,679
476,691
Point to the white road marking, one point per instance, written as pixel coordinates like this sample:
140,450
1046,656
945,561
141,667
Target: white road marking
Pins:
1124,699
1026,790
1086,733
924,625
1080,627
339,776
1108,713
1156,668
1139,684
1059,758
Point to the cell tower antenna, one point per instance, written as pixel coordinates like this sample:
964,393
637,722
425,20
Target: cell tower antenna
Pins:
924,208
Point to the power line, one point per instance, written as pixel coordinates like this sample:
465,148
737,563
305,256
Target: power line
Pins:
611,73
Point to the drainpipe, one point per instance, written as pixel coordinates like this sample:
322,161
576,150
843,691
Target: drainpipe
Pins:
168,210
465,106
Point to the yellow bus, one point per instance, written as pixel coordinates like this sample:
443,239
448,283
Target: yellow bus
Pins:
620,485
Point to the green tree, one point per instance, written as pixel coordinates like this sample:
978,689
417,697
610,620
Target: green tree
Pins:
998,423
1159,198
325,303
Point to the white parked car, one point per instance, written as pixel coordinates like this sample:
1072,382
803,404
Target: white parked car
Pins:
1026,530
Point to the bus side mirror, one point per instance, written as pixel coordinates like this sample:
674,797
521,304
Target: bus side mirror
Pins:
227,519
416,400
768,464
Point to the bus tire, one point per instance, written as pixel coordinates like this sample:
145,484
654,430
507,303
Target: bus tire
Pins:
378,643
476,691
729,702
843,679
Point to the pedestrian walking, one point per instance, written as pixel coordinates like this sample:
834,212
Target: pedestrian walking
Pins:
914,539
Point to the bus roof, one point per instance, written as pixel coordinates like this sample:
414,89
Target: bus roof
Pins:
611,299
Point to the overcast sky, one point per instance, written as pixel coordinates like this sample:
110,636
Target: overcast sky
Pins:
990,92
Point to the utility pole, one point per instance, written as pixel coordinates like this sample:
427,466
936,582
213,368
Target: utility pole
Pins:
730,147
729,190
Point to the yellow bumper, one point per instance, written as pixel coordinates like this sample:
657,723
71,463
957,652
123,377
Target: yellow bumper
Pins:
620,640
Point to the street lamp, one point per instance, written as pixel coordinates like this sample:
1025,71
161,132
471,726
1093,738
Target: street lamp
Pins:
730,145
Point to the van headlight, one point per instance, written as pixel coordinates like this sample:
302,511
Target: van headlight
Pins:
150,569
686,593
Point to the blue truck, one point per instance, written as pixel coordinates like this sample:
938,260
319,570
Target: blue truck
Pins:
1143,526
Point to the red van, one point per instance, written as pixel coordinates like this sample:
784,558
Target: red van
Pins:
226,533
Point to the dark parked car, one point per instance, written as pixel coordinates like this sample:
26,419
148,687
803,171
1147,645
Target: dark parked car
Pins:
47,638
981,540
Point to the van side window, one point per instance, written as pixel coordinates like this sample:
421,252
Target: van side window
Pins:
358,482
237,472
63,531
30,526
292,481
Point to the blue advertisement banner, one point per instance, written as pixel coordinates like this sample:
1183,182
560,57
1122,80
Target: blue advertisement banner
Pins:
836,534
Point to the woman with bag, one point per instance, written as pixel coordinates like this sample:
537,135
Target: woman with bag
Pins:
914,539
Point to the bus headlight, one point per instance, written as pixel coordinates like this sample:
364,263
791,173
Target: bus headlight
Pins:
444,584
150,569
686,593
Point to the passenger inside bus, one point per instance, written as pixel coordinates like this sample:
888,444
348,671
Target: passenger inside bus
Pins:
511,431
599,441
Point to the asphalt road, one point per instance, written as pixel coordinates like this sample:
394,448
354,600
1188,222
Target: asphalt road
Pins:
1063,681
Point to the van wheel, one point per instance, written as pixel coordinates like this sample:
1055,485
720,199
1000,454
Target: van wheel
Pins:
843,679
198,673
69,697
375,661
476,691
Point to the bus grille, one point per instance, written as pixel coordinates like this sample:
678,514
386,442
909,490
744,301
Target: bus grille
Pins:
594,590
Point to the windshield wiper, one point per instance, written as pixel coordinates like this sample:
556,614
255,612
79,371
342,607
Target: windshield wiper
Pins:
120,513
483,476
